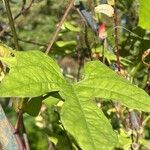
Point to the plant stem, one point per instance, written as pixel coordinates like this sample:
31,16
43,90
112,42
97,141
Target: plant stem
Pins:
80,61
116,36
18,123
25,137
87,43
147,89
11,23
30,41
59,27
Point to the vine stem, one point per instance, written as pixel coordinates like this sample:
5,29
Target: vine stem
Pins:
116,35
11,23
25,137
20,124
59,26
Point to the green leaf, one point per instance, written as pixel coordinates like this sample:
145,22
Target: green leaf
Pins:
101,81
144,17
65,43
52,100
35,103
124,140
86,122
71,27
105,9
31,74
5,51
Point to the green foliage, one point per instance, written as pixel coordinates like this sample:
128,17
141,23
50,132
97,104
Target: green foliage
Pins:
100,81
35,103
93,113
144,16
46,75
71,27
80,116
84,120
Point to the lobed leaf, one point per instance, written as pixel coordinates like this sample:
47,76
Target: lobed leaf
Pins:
80,116
31,74
100,81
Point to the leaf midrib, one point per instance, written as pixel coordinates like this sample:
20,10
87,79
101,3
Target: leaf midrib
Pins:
114,92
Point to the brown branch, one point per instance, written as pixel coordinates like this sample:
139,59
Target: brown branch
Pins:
80,61
28,41
116,36
25,137
147,88
32,42
23,4
59,27
23,10
18,123
11,23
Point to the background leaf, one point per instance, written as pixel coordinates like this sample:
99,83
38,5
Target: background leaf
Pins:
105,9
65,43
144,17
71,27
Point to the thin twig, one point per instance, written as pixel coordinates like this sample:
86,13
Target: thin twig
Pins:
147,89
18,123
25,137
23,10
28,41
80,60
103,53
87,43
32,42
23,4
59,27
116,36
11,22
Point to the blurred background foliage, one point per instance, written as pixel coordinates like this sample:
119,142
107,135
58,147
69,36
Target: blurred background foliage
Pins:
75,45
